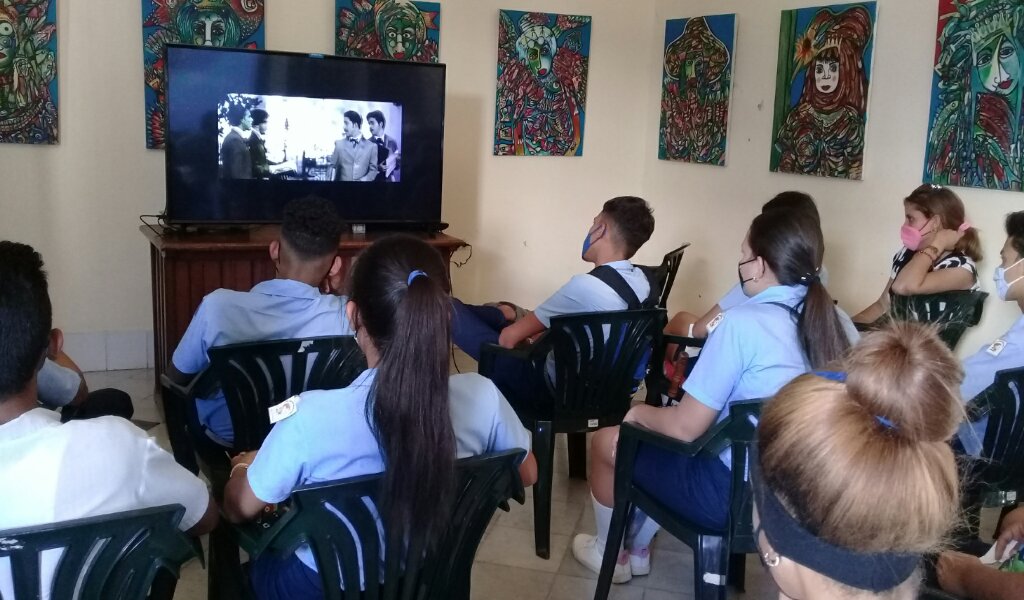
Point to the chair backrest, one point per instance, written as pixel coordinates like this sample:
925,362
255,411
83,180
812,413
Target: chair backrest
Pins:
110,557
953,311
255,376
596,358
1003,446
743,420
407,566
664,275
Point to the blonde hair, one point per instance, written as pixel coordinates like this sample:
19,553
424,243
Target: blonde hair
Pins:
866,465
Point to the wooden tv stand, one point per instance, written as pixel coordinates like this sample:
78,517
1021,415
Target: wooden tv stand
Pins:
187,266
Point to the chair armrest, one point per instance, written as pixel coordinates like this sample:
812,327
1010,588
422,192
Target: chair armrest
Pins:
490,352
631,433
256,536
682,340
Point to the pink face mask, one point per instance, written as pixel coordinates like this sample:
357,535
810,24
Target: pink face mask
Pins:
911,237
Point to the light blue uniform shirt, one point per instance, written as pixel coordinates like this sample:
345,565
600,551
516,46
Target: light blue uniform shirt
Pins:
58,385
586,293
735,296
329,437
752,353
273,310
980,372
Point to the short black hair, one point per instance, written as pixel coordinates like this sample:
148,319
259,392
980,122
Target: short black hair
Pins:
377,116
236,112
259,116
1015,230
354,117
794,201
25,316
633,220
311,227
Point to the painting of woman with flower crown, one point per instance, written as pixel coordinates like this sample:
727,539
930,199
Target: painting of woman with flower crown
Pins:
221,23
821,95
975,127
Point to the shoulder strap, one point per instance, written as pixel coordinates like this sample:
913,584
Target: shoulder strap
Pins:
610,277
792,311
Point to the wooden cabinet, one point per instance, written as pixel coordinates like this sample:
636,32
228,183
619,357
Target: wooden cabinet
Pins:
187,266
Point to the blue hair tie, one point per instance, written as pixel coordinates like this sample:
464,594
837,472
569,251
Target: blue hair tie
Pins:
838,376
885,422
413,275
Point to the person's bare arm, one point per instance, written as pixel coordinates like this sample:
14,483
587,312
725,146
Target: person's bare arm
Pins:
685,421
240,502
964,575
528,470
520,330
876,309
206,524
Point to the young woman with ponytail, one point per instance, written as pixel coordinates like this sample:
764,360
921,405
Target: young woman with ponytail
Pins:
854,478
940,249
404,415
787,326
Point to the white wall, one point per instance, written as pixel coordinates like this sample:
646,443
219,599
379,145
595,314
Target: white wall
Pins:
78,202
712,206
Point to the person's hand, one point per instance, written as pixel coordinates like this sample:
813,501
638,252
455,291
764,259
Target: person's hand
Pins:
244,458
946,239
952,569
1012,529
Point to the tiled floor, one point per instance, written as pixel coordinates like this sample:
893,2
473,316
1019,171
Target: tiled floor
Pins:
507,567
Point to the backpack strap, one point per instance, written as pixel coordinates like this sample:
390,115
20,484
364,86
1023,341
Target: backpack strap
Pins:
794,312
613,279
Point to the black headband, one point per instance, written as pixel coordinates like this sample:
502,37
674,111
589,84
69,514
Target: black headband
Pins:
875,571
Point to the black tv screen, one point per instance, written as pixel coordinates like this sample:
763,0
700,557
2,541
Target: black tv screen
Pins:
249,130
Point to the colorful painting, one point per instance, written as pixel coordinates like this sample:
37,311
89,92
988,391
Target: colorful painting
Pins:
974,137
28,71
821,94
222,23
391,29
695,83
542,84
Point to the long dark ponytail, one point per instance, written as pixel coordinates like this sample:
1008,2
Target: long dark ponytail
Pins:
397,287
792,244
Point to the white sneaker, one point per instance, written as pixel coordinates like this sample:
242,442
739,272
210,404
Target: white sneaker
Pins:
589,552
640,561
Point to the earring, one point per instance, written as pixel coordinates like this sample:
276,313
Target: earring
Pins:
771,562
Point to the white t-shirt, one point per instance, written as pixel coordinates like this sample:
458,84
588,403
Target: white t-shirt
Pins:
52,472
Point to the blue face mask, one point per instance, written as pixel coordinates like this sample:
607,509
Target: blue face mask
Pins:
1002,286
587,242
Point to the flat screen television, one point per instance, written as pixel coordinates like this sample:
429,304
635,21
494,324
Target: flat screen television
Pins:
249,130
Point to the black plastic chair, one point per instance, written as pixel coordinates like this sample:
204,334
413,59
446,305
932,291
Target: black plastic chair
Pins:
412,567
596,359
664,275
253,377
122,556
953,312
715,552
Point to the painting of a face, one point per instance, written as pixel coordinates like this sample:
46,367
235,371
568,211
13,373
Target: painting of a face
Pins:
998,66
537,49
400,39
826,75
8,45
209,29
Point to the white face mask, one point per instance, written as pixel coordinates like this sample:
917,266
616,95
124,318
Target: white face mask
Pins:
1003,286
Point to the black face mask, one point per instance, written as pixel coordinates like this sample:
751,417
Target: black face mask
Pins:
739,275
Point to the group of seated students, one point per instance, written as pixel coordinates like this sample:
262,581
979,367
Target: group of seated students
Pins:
854,475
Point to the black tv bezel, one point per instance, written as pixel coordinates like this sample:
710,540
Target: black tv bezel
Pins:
377,223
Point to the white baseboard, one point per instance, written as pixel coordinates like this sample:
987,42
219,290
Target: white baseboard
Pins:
110,350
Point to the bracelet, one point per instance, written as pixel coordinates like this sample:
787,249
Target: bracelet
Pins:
236,467
926,253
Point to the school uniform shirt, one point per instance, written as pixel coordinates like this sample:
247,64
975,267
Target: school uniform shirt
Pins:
585,293
328,438
58,385
954,260
752,352
273,310
735,296
54,472
980,372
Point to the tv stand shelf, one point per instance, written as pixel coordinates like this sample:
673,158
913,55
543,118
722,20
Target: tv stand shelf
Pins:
187,266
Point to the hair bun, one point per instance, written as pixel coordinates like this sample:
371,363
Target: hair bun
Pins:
907,380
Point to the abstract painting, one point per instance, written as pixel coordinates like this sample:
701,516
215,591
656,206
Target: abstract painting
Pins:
542,84
28,71
696,80
821,90
391,29
222,23
974,137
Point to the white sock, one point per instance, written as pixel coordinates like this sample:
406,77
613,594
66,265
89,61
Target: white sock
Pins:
641,531
603,520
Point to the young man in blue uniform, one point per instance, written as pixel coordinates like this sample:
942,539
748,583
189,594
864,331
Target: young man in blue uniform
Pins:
293,305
